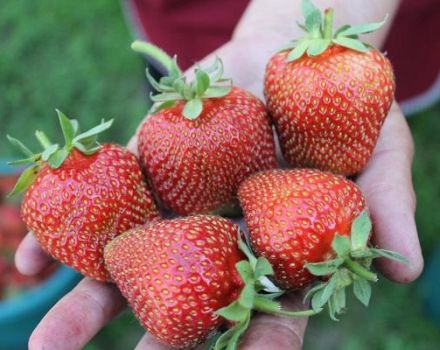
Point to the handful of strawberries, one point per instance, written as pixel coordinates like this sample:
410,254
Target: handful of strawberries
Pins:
207,149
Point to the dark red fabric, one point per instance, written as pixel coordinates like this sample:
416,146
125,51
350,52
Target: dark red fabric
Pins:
189,28
413,46
193,28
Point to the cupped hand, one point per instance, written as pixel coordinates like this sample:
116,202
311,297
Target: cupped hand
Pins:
387,184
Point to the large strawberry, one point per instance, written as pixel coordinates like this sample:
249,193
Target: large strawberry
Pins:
202,138
184,277
309,223
328,95
82,195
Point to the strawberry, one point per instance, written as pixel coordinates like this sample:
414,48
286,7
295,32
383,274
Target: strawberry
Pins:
201,139
328,95
309,223
185,277
82,195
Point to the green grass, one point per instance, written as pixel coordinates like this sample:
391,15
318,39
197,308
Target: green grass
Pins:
75,56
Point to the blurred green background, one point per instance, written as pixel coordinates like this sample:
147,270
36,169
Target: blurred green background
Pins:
75,56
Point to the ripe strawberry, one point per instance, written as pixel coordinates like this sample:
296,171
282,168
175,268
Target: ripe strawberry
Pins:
308,223
80,196
202,139
329,95
184,277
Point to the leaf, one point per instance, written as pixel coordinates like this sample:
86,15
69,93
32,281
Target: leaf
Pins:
246,250
42,139
263,267
75,125
324,268
26,178
247,296
192,109
29,160
342,28
188,91
313,290
317,46
88,150
217,91
389,255
202,82
329,289
57,158
360,231
312,15
331,310
362,28
341,245
156,107
272,295
338,300
238,332
353,44
166,96
94,131
362,290
49,151
267,285
245,270
298,51
233,312
218,72
20,145
153,82
67,128
361,254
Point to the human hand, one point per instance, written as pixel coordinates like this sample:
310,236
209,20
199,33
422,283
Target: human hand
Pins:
386,182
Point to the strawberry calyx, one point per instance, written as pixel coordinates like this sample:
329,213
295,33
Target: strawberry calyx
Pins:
208,83
351,266
319,33
53,154
259,294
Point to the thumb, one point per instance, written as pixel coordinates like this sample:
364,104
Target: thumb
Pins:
276,332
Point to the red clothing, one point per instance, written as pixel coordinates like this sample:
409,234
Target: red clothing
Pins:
193,28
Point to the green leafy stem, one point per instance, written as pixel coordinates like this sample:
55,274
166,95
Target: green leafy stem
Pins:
319,33
53,154
208,83
351,266
257,294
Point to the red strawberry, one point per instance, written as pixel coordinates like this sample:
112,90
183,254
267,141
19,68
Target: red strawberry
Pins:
308,223
202,139
81,196
183,277
329,96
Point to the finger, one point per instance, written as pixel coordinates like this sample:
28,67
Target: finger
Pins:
275,332
387,184
30,259
77,317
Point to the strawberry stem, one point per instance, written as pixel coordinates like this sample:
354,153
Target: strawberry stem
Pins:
274,308
153,51
328,24
359,270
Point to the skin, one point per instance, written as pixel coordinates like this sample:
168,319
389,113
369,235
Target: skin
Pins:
386,182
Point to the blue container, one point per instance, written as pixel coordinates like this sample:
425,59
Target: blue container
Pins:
20,315
429,286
